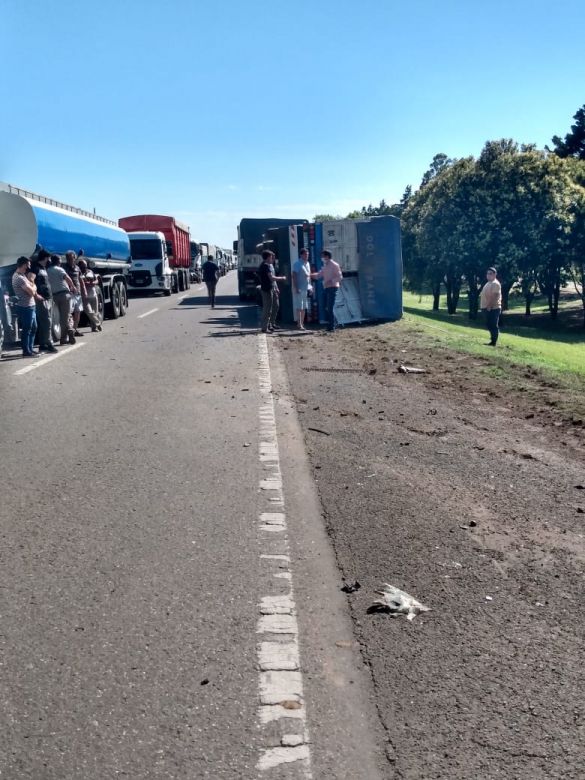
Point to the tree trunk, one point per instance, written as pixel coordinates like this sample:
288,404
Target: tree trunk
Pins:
529,297
473,302
436,287
506,295
453,286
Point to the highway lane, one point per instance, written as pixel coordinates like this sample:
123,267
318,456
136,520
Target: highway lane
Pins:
130,571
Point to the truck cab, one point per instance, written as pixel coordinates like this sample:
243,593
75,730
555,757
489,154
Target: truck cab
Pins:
150,270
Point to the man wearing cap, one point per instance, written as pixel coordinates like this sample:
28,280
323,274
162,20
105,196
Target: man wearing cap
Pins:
491,304
45,306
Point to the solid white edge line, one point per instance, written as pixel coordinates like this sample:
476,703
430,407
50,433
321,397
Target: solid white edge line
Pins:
49,359
146,313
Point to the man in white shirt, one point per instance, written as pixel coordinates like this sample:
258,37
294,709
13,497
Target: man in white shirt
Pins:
491,304
301,273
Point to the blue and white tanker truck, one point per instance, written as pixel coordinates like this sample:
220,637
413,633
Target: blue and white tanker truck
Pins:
29,222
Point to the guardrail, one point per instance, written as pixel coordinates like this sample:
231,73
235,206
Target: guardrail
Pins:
52,202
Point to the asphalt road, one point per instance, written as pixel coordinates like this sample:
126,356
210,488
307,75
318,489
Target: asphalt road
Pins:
130,561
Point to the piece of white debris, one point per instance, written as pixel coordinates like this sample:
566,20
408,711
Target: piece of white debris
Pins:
397,602
488,598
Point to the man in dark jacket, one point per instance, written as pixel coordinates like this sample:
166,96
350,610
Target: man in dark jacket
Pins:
45,306
210,271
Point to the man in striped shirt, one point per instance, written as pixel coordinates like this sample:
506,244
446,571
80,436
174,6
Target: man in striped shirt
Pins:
26,296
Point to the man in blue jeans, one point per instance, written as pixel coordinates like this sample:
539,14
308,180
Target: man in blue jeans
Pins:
331,276
491,304
26,294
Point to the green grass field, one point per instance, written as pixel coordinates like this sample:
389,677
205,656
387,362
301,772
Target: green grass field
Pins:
528,341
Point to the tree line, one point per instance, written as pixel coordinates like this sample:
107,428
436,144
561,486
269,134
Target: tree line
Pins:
517,207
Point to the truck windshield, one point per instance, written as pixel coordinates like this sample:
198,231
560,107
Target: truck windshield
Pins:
145,249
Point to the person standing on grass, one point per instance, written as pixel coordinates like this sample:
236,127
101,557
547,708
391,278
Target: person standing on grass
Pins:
45,306
269,290
301,275
491,304
210,271
27,296
331,276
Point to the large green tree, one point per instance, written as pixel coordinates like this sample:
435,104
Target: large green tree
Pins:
573,144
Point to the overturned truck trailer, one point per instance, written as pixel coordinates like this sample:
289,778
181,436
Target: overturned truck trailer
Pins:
29,222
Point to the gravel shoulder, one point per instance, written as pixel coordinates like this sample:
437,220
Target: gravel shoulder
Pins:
463,486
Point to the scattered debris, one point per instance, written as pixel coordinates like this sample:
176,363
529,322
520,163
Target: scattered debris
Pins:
246,444
579,487
411,370
397,602
351,587
318,430
291,704
488,598
204,682
372,371
344,643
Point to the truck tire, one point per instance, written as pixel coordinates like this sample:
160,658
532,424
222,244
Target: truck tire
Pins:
100,303
56,324
123,299
113,307
174,284
167,293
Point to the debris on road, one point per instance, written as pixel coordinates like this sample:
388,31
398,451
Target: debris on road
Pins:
351,587
318,430
411,370
397,602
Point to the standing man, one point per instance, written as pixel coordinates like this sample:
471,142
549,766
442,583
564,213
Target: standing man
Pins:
26,296
90,299
72,270
301,274
44,306
210,271
269,290
62,289
491,304
331,276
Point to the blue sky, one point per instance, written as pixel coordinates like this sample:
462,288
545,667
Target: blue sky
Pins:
214,111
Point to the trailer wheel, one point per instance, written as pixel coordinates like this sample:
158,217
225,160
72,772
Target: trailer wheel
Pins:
174,284
56,324
100,303
167,293
123,298
113,307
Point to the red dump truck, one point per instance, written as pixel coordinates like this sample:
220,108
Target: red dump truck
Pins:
161,253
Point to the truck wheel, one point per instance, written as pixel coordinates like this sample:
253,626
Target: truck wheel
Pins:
167,293
56,324
123,299
100,303
174,285
114,304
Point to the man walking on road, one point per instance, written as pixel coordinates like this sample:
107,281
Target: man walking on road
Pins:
210,271
269,290
331,276
90,299
491,303
44,307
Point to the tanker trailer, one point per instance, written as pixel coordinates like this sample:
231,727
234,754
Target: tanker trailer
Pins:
29,222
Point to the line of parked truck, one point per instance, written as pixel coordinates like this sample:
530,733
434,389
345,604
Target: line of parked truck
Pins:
146,253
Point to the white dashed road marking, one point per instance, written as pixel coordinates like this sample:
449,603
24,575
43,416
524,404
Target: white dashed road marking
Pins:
43,361
146,313
282,704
